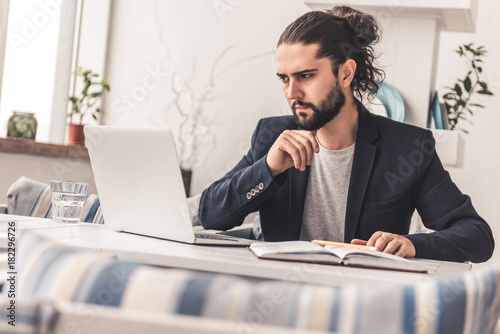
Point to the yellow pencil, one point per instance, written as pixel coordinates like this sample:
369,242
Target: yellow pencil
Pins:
342,244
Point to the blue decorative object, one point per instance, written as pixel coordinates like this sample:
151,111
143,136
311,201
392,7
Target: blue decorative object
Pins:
392,101
436,112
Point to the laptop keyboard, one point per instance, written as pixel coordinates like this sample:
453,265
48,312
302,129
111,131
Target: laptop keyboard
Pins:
213,236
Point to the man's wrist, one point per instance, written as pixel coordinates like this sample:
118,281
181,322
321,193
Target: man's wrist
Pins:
279,178
273,172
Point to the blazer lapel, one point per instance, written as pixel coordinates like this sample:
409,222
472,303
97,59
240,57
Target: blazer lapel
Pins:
364,156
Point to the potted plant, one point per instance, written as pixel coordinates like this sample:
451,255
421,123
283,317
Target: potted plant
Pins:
84,103
460,99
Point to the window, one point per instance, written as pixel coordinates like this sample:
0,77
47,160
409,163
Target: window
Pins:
45,41
30,62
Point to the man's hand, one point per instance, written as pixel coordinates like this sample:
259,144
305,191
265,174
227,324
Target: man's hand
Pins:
292,148
389,243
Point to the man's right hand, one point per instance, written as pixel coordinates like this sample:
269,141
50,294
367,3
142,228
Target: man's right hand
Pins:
292,148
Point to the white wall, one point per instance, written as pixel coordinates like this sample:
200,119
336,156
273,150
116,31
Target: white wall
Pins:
479,176
139,69
150,39
43,169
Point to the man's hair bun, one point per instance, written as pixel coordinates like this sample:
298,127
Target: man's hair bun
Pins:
364,26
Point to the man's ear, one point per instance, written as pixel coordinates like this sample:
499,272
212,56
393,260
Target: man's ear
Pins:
346,73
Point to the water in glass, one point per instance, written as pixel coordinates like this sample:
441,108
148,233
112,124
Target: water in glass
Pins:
66,207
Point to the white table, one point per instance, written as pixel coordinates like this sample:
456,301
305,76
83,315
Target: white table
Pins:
230,260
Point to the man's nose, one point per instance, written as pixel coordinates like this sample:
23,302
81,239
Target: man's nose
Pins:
294,91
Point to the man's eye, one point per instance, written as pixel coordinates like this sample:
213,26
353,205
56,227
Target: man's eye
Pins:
283,79
306,75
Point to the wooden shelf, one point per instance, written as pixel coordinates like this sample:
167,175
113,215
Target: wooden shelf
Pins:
28,146
455,15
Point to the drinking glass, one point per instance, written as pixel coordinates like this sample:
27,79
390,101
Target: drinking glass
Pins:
67,200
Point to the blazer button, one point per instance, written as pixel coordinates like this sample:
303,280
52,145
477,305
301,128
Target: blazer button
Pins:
261,186
257,189
249,196
253,192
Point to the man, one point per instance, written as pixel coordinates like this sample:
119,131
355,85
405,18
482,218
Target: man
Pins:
335,171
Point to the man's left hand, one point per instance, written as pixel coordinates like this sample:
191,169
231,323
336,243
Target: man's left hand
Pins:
389,243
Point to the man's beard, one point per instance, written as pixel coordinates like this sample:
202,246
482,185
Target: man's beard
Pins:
324,113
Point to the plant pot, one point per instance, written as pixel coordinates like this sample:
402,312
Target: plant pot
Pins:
76,137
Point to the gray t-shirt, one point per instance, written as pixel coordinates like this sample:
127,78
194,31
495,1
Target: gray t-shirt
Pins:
326,195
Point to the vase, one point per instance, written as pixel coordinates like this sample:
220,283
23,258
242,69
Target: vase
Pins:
22,125
76,137
186,179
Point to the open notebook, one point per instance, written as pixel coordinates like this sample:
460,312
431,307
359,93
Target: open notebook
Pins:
306,251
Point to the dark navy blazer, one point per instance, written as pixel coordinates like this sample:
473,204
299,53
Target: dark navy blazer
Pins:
395,171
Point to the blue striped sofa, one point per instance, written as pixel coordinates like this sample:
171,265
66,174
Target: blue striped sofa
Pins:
28,197
50,272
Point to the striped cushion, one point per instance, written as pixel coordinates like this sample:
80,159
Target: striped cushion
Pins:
24,195
27,318
468,303
27,197
463,304
49,270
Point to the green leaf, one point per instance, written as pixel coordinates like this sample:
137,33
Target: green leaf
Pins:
467,84
458,90
484,92
86,101
477,105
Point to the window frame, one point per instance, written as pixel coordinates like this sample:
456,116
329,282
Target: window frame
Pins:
77,17
4,23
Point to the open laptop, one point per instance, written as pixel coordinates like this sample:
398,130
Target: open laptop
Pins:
140,186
